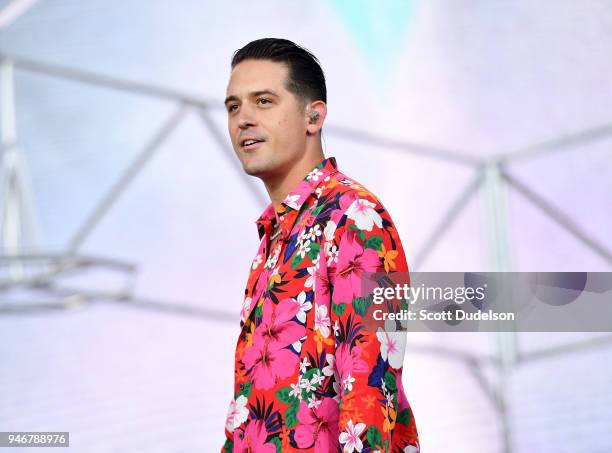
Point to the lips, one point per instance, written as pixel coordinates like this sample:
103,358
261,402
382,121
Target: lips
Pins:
252,147
249,144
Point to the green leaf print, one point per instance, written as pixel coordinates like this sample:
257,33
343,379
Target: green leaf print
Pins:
338,308
283,396
270,284
279,446
361,304
309,374
404,417
245,389
314,250
291,414
228,447
356,228
318,209
374,437
373,242
390,381
297,259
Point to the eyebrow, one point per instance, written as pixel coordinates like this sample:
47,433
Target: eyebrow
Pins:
251,94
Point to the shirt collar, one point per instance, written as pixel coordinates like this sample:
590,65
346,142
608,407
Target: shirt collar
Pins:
288,210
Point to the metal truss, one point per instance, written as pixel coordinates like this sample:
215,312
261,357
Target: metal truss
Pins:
22,265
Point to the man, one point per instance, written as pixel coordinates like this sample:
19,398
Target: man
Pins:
309,375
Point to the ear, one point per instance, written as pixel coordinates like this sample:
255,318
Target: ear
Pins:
315,116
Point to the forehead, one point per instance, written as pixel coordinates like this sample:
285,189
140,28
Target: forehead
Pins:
253,75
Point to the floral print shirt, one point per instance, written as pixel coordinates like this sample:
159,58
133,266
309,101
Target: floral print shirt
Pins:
308,376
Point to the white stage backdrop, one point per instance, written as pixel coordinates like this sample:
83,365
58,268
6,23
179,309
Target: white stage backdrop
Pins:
420,95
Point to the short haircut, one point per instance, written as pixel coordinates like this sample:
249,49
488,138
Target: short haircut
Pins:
305,76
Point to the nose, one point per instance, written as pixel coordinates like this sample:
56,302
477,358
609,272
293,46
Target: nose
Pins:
246,118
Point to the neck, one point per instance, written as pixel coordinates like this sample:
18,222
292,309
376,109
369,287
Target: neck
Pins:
278,188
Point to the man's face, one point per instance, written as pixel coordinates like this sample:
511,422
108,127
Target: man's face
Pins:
260,107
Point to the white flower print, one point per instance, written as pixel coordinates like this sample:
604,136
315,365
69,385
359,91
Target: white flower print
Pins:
314,233
383,385
257,261
304,248
363,213
303,235
330,229
296,391
237,413
392,347
331,251
307,385
291,201
305,306
348,382
313,402
311,276
326,246
298,344
317,378
245,306
350,438
336,328
273,258
322,321
314,174
328,370
304,364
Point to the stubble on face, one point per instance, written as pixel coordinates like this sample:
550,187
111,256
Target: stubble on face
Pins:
277,119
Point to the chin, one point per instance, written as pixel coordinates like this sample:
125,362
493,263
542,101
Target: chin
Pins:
252,171
255,168
259,166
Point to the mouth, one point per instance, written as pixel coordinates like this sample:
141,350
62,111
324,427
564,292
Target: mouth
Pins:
250,144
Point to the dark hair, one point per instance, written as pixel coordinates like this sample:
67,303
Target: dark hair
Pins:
305,80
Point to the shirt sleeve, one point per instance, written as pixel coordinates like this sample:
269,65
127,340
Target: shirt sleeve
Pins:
228,444
374,411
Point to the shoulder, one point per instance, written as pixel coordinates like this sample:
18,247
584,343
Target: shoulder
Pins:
361,226
356,203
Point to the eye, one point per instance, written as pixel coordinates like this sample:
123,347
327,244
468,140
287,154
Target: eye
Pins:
231,107
264,99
